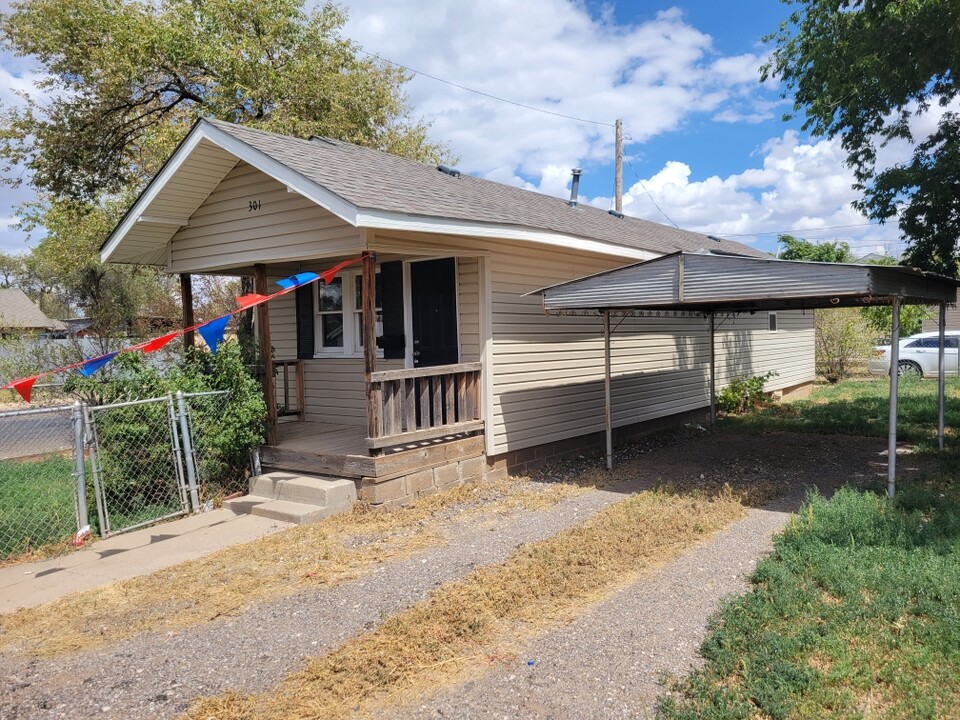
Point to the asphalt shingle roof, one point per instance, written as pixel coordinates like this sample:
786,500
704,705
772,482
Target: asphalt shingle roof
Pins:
17,311
376,180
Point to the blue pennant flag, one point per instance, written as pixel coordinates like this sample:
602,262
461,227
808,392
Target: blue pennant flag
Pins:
212,332
297,280
91,366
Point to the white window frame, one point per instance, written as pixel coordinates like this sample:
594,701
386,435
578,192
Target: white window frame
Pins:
352,342
772,316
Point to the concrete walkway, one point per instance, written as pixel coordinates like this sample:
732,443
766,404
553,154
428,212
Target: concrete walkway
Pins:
124,556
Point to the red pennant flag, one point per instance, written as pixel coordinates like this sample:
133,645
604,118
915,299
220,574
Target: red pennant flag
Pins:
329,275
159,342
251,299
25,386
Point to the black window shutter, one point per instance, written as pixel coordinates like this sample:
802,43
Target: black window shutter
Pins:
392,341
305,340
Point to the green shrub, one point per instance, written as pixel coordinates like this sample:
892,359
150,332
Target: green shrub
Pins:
135,445
744,393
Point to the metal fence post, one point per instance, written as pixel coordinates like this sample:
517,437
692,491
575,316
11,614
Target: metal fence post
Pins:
188,451
80,463
92,440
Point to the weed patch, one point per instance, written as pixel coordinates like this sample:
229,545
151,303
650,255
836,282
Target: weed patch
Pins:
854,615
459,624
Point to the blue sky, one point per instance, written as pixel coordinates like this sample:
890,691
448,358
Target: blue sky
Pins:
705,139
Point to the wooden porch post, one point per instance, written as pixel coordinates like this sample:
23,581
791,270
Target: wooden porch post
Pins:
266,354
368,302
186,302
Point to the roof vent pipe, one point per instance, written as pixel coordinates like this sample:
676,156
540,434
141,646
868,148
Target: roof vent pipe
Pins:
574,187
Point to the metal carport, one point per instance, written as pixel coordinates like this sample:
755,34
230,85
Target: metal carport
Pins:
710,282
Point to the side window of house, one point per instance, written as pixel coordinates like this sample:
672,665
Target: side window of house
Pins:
772,321
330,315
339,319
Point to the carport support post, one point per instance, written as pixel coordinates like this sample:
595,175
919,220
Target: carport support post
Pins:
608,411
894,383
713,372
941,372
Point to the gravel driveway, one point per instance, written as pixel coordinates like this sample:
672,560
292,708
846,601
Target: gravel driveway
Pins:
604,664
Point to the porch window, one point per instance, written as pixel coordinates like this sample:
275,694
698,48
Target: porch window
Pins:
339,320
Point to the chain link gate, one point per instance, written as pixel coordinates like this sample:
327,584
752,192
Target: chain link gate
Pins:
136,463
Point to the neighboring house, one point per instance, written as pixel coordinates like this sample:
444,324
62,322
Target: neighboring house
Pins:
471,378
19,314
932,323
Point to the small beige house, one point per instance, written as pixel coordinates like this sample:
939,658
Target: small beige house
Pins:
468,376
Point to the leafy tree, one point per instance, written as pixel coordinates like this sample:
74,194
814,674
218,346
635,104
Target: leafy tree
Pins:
865,72
842,340
127,79
124,82
799,249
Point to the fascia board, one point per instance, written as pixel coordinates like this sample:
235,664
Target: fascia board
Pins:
446,226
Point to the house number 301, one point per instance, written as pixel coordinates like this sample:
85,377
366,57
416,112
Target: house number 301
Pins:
253,206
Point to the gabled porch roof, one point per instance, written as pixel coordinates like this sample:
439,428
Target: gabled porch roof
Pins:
373,189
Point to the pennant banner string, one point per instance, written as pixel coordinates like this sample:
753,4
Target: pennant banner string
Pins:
211,331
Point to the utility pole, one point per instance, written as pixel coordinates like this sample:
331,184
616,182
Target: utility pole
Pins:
618,179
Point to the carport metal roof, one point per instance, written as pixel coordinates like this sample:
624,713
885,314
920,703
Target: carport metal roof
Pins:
712,282
705,282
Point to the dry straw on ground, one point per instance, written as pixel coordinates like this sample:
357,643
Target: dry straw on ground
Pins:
459,625
340,548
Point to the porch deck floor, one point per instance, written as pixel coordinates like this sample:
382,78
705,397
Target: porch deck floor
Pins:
322,438
341,450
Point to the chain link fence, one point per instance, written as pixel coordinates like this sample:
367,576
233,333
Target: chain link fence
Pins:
114,467
137,465
38,505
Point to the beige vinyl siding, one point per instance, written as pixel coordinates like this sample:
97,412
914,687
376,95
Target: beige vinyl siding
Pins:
548,371
746,347
468,306
335,389
283,325
225,233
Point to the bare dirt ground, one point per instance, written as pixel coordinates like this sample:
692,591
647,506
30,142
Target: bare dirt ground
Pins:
608,661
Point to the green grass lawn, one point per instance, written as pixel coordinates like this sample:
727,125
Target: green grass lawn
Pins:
856,614
36,504
861,408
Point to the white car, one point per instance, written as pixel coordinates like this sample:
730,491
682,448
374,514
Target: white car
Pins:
918,355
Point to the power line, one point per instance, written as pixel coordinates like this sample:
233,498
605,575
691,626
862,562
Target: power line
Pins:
651,196
486,95
788,232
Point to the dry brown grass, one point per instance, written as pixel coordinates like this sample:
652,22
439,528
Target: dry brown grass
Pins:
339,548
459,624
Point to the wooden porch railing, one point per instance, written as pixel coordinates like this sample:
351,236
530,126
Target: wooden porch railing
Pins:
286,393
423,403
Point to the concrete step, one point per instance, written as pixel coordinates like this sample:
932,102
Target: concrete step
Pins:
295,498
292,512
308,489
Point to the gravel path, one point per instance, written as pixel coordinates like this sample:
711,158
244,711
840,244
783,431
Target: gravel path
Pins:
156,676
603,665
608,663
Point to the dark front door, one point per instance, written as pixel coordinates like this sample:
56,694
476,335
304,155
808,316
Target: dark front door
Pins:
433,293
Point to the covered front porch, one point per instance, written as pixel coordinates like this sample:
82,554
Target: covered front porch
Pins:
367,415
416,417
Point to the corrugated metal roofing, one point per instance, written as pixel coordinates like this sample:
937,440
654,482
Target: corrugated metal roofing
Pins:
700,281
18,312
375,181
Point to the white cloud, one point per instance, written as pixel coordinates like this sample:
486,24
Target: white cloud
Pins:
802,188
550,54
